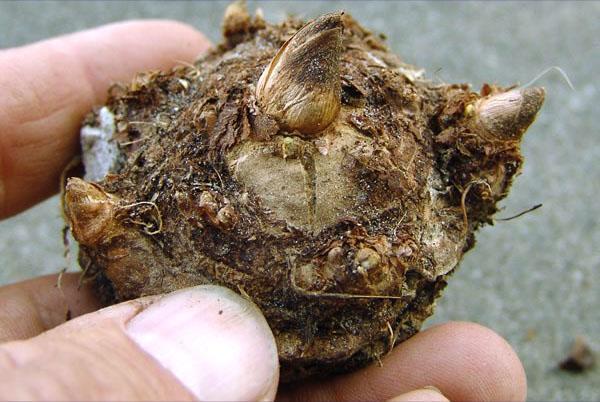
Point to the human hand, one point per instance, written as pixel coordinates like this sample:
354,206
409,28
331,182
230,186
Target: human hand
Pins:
200,343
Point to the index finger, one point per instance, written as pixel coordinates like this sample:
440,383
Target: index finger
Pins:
49,86
466,361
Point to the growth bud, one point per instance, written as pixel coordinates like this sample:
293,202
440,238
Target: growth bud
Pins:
236,22
90,212
507,115
301,86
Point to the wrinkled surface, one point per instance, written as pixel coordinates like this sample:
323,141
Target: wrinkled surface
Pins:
343,240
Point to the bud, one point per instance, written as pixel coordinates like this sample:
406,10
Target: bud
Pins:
367,258
236,22
259,19
301,86
507,115
90,212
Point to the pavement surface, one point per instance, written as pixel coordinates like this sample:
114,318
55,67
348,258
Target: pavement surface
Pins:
536,279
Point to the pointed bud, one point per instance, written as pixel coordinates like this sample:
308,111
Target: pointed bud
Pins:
259,19
507,115
90,212
236,22
301,87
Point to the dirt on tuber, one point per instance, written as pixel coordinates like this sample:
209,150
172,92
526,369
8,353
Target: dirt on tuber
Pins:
305,167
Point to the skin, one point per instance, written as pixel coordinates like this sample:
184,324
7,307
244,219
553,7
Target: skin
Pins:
47,88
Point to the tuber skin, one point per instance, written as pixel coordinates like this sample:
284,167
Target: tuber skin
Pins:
307,168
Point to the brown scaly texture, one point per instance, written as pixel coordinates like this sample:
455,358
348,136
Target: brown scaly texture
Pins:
344,238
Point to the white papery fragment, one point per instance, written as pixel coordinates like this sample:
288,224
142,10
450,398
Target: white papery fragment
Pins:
99,150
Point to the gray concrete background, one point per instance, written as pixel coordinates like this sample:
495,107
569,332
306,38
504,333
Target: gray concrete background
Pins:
535,280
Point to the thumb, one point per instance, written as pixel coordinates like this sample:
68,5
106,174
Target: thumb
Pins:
203,343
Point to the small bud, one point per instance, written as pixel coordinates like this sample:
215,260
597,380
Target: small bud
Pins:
259,19
291,148
507,115
90,212
335,256
227,217
207,202
236,22
301,86
367,258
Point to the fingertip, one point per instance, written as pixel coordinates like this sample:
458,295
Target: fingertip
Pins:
206,342
491,367
215,342
140,45
183,40
66,76
465,361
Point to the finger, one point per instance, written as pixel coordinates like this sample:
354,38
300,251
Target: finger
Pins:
464,360
48,87
31,307
205,342
428,394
